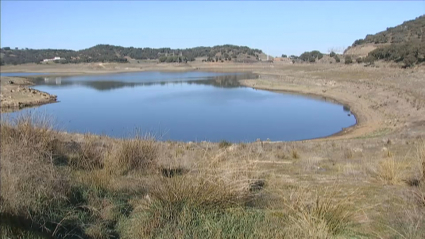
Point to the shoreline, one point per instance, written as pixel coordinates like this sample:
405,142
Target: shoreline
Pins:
343,131
368,119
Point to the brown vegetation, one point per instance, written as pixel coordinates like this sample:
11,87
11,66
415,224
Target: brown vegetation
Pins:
97,187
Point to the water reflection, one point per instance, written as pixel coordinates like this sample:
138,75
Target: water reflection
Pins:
222,81
53,80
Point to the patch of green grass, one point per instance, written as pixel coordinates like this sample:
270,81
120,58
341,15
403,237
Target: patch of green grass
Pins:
376,133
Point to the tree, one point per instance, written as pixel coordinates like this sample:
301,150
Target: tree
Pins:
348,60
284,56
162,59
337,58
332,54
409,60
369,59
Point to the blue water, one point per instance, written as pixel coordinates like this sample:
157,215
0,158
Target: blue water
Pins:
190,106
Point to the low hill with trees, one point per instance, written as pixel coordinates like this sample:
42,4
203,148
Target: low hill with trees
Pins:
111,53
404,44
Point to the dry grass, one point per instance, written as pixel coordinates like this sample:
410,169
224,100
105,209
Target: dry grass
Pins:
91,154
32,187
421,159
348,154
174,187
135,154
212,185
294,153
393,171
325,217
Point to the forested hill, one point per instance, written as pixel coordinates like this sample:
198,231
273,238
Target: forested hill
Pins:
413,30
110,53
403,44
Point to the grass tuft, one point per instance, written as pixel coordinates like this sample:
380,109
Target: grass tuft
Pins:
135,154
328,215
224,144
392,171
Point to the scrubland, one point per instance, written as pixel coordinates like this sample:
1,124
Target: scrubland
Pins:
90,186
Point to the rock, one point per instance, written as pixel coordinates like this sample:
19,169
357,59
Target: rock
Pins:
384,149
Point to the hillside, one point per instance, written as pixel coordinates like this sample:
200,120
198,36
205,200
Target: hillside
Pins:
110,53
404,44
413,30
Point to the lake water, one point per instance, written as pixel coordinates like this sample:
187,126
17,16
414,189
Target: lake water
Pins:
190,106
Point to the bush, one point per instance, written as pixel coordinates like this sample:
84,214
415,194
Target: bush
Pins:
332,54
337,59
410,53
369,59
359,60
311,56
348,60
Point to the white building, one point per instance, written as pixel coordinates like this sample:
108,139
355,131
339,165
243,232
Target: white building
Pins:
56,58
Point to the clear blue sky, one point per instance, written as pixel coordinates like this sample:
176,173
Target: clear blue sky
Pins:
275,27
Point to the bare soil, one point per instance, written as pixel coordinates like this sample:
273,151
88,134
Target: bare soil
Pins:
16,94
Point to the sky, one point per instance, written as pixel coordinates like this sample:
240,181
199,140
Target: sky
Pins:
277,28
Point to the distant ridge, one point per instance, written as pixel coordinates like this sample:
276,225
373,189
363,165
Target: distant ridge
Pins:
111,53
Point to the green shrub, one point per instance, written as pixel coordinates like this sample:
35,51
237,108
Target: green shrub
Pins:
337,59
369,59
348,60
409,53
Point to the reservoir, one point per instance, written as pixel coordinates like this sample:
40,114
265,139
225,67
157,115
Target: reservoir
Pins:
185,106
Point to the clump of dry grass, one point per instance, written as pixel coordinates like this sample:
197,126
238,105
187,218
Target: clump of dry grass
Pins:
348,154
421,158
30,183
392,171
90,156
29,131
216,183
325,213
224,144
210,188
135,154
294,153
97,231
